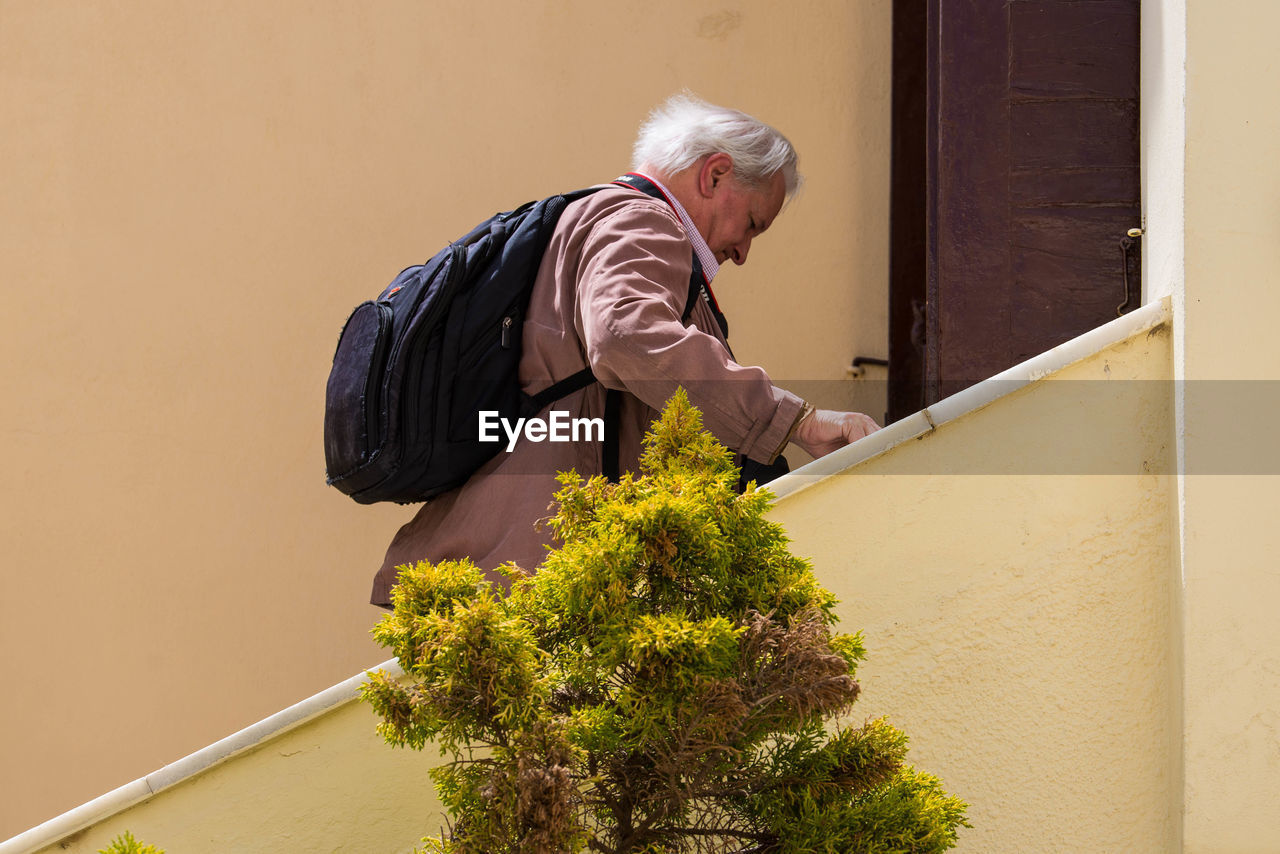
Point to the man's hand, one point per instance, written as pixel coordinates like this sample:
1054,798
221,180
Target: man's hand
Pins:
825,430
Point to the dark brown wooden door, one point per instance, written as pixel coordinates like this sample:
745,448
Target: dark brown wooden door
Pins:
1016,163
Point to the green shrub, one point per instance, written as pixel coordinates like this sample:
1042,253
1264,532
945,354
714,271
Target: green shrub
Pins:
126,844
668,681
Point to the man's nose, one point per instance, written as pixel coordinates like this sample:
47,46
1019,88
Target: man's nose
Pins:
740,250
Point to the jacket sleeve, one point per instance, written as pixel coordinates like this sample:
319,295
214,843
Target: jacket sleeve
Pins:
633,282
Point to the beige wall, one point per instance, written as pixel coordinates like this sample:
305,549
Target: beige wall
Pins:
1013,572
1020,627
1230,539
331,785
195,195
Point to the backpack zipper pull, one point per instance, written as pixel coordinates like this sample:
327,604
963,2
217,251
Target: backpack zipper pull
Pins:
507,324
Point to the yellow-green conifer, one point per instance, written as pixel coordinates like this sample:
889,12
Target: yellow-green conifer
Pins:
669,680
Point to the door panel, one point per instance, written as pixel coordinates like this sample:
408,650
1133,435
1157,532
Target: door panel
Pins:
1029,183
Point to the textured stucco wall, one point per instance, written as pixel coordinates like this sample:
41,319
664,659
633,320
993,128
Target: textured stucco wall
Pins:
195,195
1229,366
1014,575
329,785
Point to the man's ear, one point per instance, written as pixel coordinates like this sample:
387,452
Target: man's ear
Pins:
716,169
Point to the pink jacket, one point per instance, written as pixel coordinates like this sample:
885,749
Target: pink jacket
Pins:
609,294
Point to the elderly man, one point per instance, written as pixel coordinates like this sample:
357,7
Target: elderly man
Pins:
624,288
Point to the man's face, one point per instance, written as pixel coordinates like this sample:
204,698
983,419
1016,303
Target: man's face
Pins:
737,214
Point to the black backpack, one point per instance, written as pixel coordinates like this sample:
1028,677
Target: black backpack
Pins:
415,366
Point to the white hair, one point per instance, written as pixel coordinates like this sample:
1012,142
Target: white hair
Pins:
685,129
